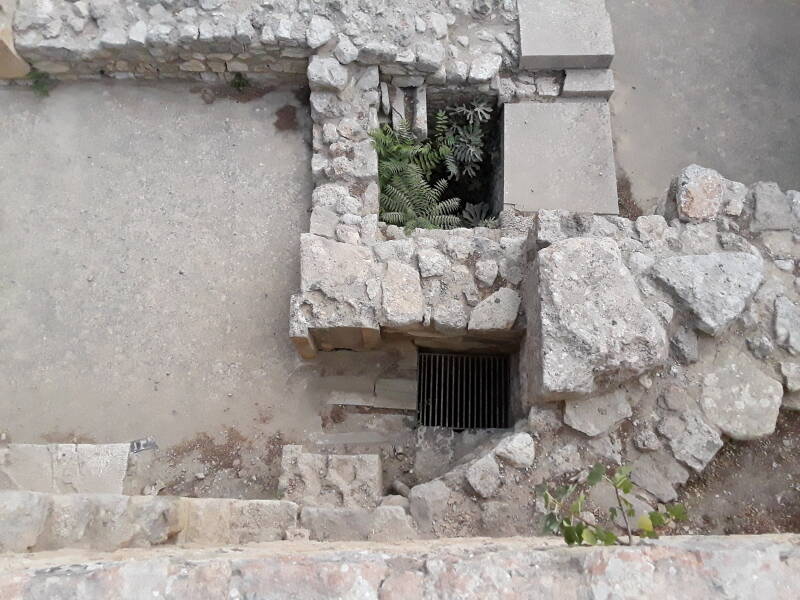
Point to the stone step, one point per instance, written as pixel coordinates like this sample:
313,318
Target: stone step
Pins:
331,480
33,521
565,34
568,162
64,468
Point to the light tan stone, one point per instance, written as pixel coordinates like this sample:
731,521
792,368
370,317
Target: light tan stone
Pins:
11,64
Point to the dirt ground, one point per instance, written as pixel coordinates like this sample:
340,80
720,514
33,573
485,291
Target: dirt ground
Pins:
750,487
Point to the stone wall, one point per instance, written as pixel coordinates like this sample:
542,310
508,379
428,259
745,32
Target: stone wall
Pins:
671,568
434,40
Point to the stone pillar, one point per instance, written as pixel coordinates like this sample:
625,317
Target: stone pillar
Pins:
11,65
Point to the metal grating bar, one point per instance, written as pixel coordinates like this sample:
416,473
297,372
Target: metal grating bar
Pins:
463,391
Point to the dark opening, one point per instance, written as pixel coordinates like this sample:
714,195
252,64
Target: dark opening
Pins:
475,191
463,391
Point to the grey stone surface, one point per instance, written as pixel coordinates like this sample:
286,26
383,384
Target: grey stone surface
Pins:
428,501
772,210
518,450
565,35
583,342
64,468
787,324
397,393
450,316
598,414
710,567
739,398
574,170
432,262
155,236
791,375
691,439
403,304
483,476
588,83
658,473
485,67
684,345
337,480
486,272
497,312
693,123
715,287
385,523
22,520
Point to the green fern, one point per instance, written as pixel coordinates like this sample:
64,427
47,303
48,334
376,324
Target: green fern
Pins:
413,175
477,215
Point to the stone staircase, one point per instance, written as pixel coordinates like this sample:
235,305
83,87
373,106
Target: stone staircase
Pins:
55,496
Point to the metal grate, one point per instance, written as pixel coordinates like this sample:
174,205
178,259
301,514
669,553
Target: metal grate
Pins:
463,391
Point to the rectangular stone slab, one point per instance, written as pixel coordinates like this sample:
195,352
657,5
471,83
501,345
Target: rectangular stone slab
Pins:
565,34
559,155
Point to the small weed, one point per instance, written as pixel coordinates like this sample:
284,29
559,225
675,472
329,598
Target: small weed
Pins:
240,82
565,508
41,82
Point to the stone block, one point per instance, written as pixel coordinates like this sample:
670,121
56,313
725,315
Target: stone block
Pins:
569,159
565,34
64,468
584,343
11,65
337,480
400,394
739,398
591,83
22,519
225,521
385,523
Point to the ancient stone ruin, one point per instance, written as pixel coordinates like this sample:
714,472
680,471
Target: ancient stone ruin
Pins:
650,341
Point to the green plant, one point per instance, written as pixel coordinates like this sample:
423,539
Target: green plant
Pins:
477,215
41,82
462,129
407,198
240,82
414,174
565,507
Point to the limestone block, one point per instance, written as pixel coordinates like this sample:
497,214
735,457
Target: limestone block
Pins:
787,324
428,501
565,35
385,523
483,476
571,162
715,287
518,450
64,468
772,210
22,520
11,65
598,414
739,398
226,521
338,480
588,83
659,473
589,326
496,313
403,304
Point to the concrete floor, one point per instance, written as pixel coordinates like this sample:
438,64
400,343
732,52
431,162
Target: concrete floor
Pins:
148,248
711,82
